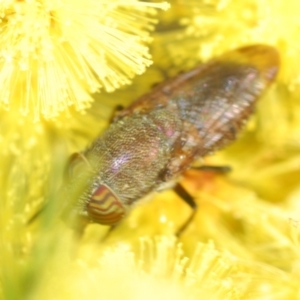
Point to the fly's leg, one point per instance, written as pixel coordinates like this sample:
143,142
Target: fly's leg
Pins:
115,113
188,199
36,215
216,169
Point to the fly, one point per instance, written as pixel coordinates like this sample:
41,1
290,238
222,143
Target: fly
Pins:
154,140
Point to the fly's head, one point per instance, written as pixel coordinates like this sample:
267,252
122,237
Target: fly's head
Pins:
87,198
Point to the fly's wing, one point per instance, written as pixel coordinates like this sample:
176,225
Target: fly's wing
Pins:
234,83
263,58
214,99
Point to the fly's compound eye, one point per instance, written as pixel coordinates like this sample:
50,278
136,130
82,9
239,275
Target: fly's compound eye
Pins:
104,207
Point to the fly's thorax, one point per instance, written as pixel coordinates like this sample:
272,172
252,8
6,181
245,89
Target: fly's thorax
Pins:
168,123
131,155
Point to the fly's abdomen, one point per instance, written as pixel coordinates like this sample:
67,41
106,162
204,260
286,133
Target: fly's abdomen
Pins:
130,156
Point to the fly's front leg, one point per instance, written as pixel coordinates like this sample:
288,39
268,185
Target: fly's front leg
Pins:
36,215
116,113
216,169
187,198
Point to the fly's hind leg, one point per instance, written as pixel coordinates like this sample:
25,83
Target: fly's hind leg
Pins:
116,112
188,199
216,169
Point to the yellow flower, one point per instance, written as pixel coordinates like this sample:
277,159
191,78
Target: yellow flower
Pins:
55,53
244,240
159,268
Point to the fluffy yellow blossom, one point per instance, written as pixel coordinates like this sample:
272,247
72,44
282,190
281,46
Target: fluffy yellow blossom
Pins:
244,240
55,53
